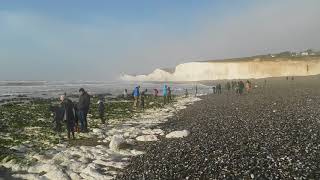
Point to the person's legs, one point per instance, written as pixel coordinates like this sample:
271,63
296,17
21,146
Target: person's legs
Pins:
102,118
81,117
135,101
68,129
85,120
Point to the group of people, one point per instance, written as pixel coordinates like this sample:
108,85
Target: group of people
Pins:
217,89
238,86
72,113
139,97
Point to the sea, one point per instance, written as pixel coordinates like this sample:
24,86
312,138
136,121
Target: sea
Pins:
53,89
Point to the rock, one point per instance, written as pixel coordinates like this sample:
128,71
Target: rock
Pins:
57,174
20,148
97,131
131,142
92,171
153,131
147,138
26,176
116,142
42,167
178,134
74,176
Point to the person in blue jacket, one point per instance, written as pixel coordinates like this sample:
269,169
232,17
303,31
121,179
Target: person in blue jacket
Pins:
136,95
165,93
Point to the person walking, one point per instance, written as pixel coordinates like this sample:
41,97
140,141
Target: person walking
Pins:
136,94
83,107
68,115
165,93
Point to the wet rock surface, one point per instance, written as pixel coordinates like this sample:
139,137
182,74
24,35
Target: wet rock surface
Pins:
271,133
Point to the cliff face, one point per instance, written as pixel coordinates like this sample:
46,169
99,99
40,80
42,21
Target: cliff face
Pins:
242,69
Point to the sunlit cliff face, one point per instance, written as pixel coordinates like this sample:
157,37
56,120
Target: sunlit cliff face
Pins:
244,69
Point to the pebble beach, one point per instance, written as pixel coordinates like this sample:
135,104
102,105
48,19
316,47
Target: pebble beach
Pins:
271,133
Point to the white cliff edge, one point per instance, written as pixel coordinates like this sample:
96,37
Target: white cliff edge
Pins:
248,69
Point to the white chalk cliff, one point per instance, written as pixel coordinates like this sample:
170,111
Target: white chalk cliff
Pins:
235,69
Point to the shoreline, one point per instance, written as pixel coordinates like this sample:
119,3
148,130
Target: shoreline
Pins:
97,160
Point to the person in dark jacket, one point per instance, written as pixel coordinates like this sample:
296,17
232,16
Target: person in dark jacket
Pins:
83,107
219,89
76,117
228,86
101,109
68,115
241,87
57,117
142,98
169,94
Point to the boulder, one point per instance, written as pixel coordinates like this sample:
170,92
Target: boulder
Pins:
117,142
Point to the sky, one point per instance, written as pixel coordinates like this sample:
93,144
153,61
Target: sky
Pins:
100,40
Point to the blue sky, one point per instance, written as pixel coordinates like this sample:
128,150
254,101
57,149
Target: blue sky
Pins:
99,40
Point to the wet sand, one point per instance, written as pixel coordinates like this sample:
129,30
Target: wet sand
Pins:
271,133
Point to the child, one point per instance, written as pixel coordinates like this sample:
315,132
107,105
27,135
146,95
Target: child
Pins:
101,108
57,117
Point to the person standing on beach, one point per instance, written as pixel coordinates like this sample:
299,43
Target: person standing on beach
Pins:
76,117
214,89
186,93
142,98
156,92
228,86
57,117
196,90
125,94
101,109
248,86
219,89
136,94
68,115
241,87
169,94
83,107
165,93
